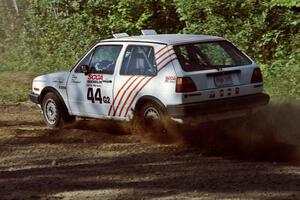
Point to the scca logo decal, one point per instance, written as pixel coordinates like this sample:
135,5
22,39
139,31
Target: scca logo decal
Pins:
95,77
170,78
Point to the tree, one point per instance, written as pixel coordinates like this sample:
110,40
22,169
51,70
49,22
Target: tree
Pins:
16,6
134,15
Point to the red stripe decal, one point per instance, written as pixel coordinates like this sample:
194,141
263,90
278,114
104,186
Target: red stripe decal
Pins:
167,64
137,85
124,94
165,58
164,53
131,102
161,49
111,106
130,95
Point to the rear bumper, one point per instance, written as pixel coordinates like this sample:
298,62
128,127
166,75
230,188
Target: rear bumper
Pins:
219,107
35,98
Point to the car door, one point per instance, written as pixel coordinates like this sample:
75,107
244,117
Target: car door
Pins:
137,68
90,94
76,87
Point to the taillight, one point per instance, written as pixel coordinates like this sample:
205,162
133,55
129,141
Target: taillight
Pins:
256,76
185,84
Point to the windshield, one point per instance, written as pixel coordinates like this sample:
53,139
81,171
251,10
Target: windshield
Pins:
209,55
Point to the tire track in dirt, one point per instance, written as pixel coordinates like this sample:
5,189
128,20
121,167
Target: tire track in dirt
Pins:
101,159
273,134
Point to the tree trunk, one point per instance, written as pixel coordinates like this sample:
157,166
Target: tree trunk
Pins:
16,6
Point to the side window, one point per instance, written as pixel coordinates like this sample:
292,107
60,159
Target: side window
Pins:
104,59
139,60
85,61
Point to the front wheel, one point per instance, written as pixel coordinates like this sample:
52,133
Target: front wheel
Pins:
54,112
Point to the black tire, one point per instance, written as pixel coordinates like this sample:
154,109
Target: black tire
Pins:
156,121
159,127
54,112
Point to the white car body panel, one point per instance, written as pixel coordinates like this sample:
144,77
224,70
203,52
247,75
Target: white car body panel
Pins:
57,81
122,92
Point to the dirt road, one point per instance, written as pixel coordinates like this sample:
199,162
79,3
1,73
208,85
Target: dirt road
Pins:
102,160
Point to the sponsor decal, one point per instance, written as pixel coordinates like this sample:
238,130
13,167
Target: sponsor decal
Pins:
212,94
221,93
95,96
170,79
94,80
95,77
237,90
58,80
62,87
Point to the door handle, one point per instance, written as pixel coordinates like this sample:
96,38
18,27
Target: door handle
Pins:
107,81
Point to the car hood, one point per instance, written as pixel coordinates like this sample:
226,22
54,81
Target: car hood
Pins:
57,77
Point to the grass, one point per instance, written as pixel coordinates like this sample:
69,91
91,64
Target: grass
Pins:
15,86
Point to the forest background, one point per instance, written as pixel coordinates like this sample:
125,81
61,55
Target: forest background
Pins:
41,36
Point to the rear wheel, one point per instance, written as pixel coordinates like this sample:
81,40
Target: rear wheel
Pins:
54,112
152,120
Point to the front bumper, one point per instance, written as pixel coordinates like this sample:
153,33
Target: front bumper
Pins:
219,107
35,98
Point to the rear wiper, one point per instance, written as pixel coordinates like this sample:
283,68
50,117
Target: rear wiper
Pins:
218,67
210,67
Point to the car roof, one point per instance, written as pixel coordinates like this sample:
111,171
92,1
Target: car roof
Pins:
169,39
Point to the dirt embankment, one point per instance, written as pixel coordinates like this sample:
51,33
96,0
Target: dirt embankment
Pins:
102,160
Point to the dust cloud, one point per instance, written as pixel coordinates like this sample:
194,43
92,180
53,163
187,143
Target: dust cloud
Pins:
272,134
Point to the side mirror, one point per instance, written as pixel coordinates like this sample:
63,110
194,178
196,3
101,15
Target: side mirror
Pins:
85,69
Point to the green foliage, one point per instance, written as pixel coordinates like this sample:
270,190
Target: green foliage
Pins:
15,86
51,35
235,21
10,29
268,31
286,3
132,16
10,24
59,31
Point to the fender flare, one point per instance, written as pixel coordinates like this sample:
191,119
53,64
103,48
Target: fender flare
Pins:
148,98
53,90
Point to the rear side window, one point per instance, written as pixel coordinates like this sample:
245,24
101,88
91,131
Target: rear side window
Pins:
104,59
208,55
139,60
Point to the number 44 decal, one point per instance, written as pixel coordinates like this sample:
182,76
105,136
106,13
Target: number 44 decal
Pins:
97,96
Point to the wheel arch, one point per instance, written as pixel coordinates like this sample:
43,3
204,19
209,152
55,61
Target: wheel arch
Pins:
147,98
53,90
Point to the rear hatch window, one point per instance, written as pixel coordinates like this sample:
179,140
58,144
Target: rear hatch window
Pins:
209,55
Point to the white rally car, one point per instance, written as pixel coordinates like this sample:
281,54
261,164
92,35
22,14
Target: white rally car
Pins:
152,76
